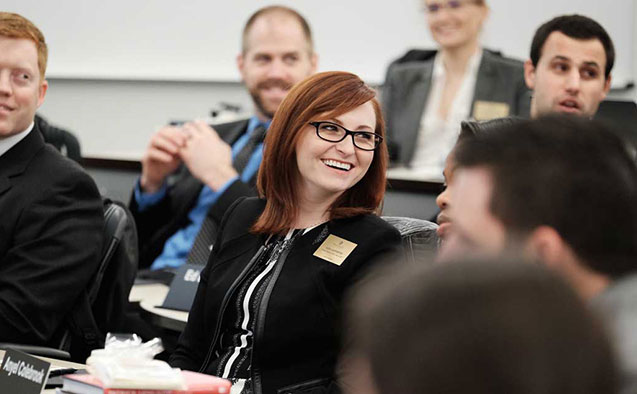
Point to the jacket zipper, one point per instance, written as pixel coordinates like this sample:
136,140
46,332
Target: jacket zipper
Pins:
226,300
260,323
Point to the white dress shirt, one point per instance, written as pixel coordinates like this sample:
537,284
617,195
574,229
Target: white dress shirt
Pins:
9,142
437,136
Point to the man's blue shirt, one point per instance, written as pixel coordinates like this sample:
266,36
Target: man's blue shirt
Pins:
179,244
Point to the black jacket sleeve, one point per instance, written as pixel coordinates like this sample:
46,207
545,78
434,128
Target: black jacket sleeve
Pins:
56,246
194,342
234,192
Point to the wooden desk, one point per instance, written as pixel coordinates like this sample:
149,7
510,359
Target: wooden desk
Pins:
409,193
150,296
54,365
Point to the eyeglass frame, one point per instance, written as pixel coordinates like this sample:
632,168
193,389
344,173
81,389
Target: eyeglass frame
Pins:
458,5
378,139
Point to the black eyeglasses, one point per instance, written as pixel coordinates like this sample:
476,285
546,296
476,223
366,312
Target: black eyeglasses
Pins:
332,132
432,8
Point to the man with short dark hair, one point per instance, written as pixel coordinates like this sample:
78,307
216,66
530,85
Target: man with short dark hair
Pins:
563,191
562,188
570,65
177,221
569,70
51,215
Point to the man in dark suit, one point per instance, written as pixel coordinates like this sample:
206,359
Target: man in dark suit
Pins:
176,216
51,226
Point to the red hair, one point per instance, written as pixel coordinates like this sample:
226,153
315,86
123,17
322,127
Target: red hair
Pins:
16,26
328,94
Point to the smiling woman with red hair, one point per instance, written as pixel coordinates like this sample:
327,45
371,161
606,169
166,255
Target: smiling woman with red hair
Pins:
267,310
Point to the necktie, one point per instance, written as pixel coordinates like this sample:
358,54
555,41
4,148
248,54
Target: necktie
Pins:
200,250
243,156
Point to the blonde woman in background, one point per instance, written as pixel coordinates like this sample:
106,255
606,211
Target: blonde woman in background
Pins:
427,93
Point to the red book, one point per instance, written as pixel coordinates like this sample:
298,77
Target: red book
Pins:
196,383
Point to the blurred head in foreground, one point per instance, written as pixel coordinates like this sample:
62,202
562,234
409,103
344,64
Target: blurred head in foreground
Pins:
479,326
468,129
561,190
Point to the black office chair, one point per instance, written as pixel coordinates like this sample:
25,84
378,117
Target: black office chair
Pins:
63,140
621,118
102,305
419,238
420,55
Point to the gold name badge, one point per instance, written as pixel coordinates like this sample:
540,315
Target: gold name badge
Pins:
487,110
335,249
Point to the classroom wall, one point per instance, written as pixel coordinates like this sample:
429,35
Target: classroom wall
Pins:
635,50
115,119
197,40
114,116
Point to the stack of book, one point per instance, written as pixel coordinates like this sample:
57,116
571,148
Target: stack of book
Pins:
196,383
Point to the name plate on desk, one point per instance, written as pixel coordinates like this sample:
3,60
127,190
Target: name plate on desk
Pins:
22,373
183,288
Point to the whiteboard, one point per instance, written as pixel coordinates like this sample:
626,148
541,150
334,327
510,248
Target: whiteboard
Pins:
198,40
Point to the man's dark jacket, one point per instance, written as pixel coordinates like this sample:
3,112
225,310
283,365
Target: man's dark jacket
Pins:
162,220
50,240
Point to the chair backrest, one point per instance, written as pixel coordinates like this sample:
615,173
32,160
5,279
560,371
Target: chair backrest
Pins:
61,139
103,306
621,117
419,238
120,246
419,55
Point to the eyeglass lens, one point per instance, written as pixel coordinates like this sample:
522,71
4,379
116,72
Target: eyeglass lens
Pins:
335,133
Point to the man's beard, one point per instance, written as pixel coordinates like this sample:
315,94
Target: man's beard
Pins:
268,83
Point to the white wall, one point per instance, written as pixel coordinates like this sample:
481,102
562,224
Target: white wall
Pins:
114,115
198,39
630,94
115,119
